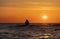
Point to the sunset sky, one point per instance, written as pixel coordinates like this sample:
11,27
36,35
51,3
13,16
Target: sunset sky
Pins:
15,11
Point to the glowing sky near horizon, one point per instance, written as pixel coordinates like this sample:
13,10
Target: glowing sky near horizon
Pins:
33,10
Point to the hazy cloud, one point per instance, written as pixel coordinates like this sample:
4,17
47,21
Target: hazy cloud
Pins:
28,3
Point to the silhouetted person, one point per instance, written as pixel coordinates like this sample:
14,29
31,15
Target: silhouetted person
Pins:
26,22
43,38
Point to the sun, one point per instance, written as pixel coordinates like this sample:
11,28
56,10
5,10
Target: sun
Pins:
44,16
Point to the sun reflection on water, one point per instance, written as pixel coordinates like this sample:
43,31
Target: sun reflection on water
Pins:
46,36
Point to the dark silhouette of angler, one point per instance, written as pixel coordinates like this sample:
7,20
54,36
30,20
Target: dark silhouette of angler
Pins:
23,25
26,22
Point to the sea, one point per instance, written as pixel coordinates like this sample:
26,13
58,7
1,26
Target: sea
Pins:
30,31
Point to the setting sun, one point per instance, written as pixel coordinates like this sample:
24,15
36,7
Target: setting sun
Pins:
36,11
44,17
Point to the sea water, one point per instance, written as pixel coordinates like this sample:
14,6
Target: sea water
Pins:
31,31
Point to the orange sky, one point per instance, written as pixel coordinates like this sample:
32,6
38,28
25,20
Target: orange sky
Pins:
33,10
